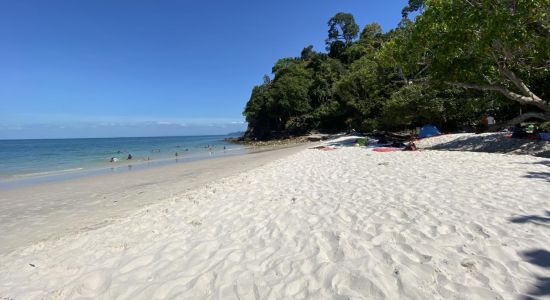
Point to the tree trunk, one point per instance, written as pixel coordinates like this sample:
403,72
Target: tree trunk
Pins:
519,119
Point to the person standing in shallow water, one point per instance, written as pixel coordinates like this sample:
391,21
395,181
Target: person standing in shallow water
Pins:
129,156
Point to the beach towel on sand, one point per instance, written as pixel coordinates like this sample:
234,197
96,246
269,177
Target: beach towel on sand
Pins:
386,149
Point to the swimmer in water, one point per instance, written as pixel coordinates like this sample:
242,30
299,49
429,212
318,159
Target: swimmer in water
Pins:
129,156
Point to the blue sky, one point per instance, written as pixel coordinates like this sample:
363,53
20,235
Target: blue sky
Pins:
151,67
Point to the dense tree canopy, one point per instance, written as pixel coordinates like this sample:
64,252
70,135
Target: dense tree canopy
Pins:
454,62
501,46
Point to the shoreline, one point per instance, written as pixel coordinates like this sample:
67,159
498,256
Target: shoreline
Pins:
33,213
123,166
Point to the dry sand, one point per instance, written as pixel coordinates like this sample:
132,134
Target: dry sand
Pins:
343,224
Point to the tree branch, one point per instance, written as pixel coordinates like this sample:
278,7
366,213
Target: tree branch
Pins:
519,119
422,70
519,84
535,101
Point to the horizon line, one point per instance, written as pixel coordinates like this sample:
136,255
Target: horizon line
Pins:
120,137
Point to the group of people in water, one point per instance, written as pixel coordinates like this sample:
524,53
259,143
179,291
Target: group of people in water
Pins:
176,154
115,159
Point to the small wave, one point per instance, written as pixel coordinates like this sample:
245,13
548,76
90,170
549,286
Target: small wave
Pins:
234,149
46,173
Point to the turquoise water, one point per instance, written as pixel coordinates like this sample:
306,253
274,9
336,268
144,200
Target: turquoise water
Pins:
23,159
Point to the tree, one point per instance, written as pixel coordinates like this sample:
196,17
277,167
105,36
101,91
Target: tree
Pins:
361,93
490,45
400,54
307,53
413,6
342,27
372,36
283,64
258,112
450,108
326,109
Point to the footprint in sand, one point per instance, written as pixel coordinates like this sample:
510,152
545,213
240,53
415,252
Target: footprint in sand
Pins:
94,283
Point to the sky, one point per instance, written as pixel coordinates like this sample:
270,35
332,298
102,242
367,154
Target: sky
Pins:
151,67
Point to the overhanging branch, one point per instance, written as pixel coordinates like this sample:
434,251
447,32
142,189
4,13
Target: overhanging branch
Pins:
535,101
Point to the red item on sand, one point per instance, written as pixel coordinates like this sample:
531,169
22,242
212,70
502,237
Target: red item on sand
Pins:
386,149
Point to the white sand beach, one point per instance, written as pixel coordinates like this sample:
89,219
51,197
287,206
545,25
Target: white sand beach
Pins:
343,224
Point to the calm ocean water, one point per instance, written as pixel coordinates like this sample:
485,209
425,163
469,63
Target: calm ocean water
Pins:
24,159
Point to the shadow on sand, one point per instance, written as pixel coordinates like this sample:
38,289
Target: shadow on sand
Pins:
538,220
543,162
540,258
538,175
537,257
496,143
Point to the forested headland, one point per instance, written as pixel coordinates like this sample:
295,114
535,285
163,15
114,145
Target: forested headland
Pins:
446,63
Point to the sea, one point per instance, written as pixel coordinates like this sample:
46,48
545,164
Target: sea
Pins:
26,162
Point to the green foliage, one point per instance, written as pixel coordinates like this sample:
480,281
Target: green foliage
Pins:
417,104
361,92
545,126
484,42
362,142
372,37
407,77
257,112
342,27
413,6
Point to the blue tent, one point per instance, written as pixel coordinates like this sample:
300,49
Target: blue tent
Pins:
428,131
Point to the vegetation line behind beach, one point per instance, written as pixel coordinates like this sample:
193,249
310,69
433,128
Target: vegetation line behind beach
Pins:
446,63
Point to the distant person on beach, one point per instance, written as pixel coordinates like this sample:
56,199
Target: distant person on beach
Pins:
176,155
482,125
114,159
129,156
410,147
490,121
